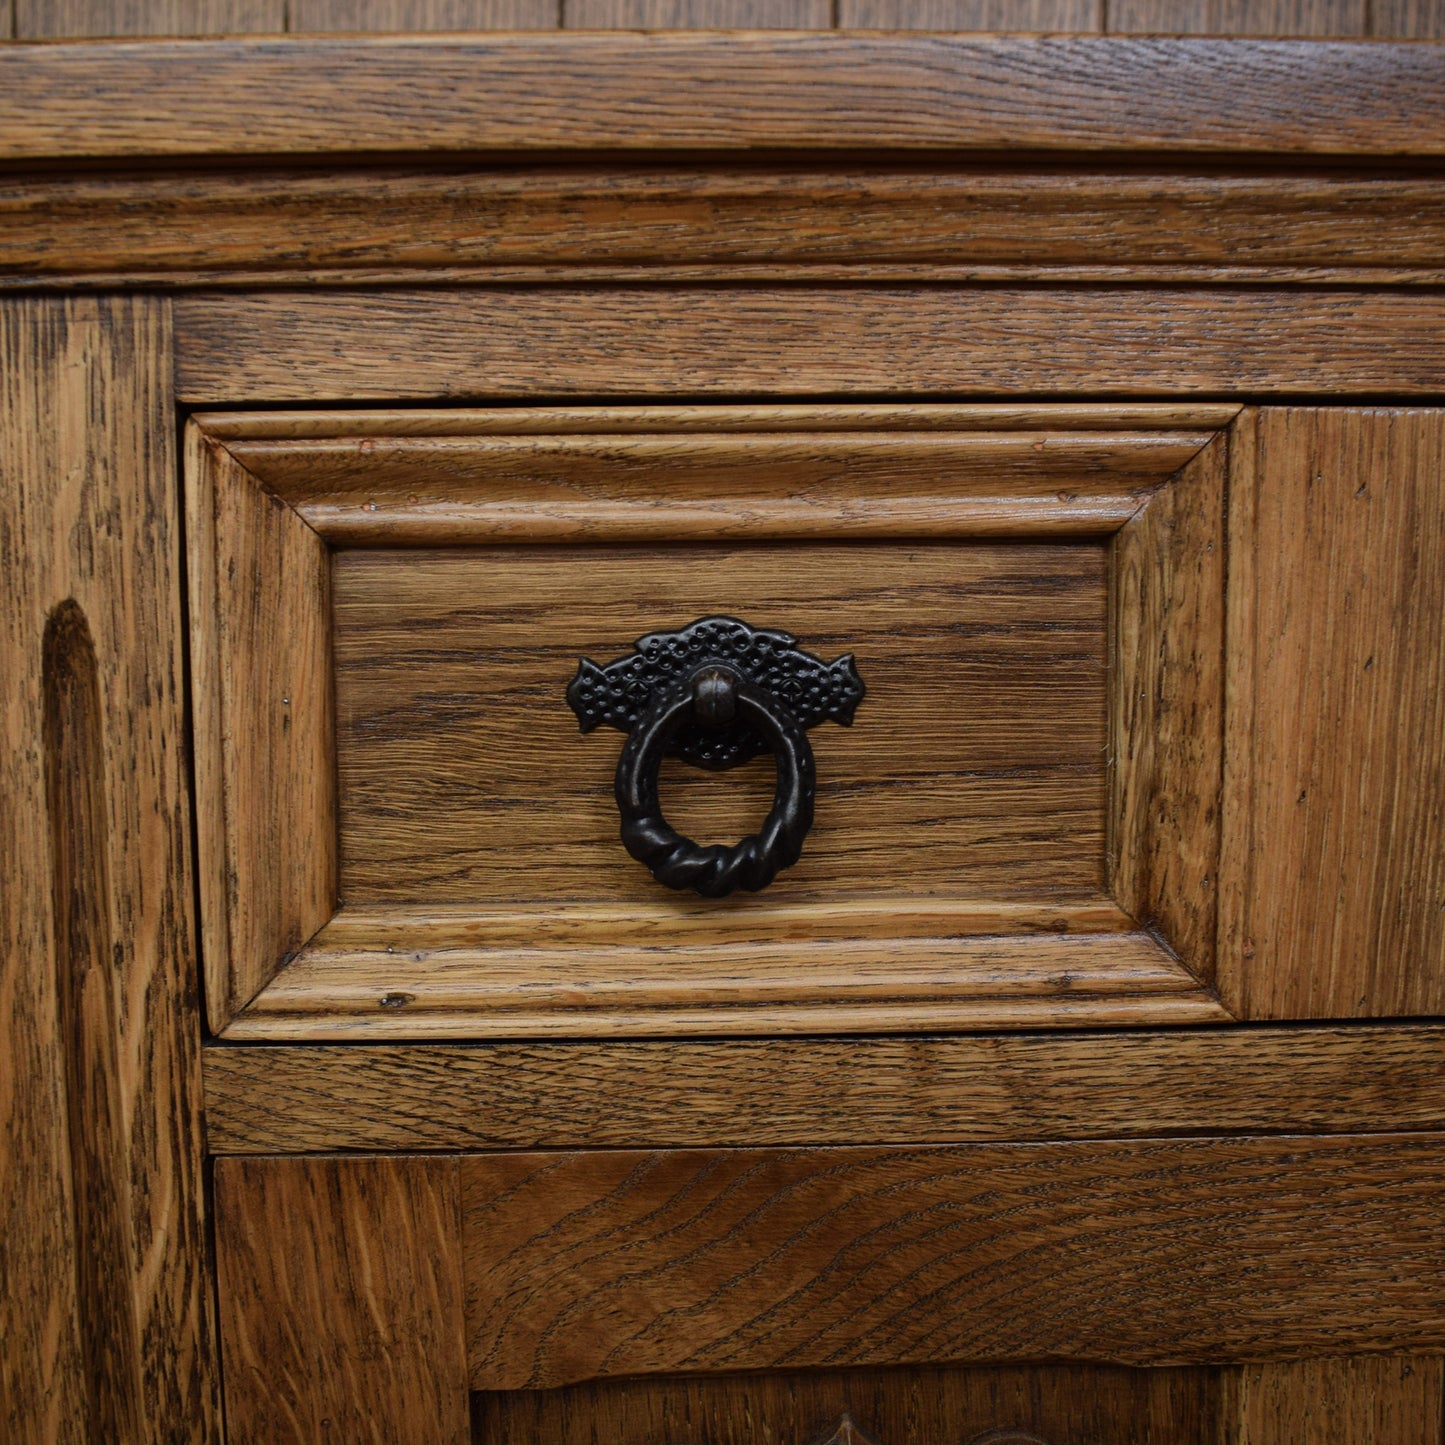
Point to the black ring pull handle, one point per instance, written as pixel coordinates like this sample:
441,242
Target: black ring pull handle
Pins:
716,693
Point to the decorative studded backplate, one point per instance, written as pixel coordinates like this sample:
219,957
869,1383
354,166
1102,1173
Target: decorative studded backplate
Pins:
812,690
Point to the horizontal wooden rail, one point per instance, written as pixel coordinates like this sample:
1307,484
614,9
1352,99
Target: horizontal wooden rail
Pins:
720,91
262,1099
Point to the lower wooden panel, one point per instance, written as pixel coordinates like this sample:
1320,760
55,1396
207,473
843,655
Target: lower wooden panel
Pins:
363,1296
587,1265
1029,1405
1361,1400
1370,1400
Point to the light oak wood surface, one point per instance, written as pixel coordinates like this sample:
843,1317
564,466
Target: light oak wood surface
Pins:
105,1307
1340,742
839,91
697,14
1400,19
778,215
974,769
73,19
1408,19
379,1285
261,693
303,16
1073,16
893,983
1166,696
458,490
341,1300
967,1088
291,347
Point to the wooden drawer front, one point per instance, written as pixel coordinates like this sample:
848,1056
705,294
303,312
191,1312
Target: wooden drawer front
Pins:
404,833
1152,732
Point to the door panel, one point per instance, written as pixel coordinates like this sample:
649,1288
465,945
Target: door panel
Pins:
608,1296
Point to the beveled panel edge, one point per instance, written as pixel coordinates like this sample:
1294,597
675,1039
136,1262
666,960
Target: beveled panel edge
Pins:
1103,461
254,911
280,424
356,990
377,490
566,91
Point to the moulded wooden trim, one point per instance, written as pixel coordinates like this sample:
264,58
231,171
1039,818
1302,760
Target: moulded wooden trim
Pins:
277,424
719,91
363,986
816,219
452,491
695,1093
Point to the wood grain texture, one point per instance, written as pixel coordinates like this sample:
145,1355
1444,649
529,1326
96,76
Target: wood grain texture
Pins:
824,1091
341,1300
1407,19
1339,908
583,1266
1020,1405
73,19
1366,1400
1166,699
532,91
90,545
1336,18
978,809
416,15
451,666
945,219
265,754
697,14
931,482
683,419
1075,16
883,983
294,347
75,786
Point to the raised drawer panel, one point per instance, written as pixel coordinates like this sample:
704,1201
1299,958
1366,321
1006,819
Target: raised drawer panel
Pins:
1020,825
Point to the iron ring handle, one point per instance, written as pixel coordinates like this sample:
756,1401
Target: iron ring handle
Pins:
713,696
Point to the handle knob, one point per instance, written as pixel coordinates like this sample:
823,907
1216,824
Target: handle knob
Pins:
715,693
